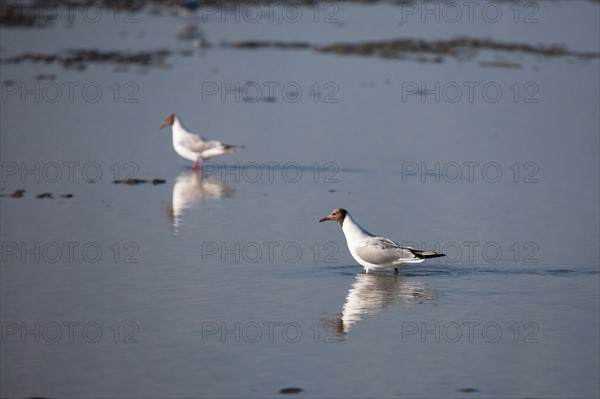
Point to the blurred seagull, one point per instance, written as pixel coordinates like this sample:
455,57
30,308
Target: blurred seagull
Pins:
372,252
193,147
185,8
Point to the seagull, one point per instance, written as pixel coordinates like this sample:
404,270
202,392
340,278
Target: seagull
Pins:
193,147
372,252
185,8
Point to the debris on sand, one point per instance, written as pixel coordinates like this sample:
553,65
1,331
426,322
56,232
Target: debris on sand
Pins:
467,390
451,47
130,182
135,182
254,44
288,391
18,194
422,50
79,59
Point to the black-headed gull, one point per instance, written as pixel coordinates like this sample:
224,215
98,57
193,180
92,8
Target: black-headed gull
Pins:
372,252
193,147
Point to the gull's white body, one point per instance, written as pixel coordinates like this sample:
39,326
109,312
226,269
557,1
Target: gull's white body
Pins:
366,248
191,146
372,252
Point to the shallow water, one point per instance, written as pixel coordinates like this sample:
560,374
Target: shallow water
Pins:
223,284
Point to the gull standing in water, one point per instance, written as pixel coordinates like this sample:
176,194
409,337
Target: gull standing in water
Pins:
372,252
193,147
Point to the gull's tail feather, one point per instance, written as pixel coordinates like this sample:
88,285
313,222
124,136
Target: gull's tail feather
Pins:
425,254
232,147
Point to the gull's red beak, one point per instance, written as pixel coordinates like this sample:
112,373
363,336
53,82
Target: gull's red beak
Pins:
164,124
324,219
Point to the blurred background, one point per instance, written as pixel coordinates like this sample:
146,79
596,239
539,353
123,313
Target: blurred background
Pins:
470,128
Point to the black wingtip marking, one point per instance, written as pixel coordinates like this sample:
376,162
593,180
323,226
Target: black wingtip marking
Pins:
232,146
421,255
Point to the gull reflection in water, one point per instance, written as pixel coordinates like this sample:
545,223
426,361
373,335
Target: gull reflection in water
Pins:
190,189
372,293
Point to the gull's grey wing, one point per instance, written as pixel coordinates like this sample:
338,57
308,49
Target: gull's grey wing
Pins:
381,251
197,143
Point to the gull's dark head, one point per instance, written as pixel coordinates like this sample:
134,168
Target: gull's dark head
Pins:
337,215
169,120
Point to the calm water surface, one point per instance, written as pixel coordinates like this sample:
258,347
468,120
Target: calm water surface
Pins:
223,284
